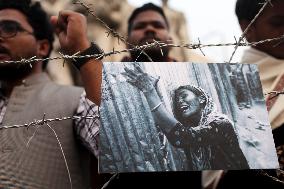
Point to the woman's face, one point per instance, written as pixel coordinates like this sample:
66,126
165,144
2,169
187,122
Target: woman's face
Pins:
187,103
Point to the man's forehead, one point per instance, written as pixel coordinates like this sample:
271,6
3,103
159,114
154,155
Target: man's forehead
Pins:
15,15
12,14
149,16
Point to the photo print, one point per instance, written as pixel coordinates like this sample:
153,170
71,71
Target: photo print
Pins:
183,117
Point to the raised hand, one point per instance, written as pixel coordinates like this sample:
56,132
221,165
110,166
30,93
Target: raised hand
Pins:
71,28
138,78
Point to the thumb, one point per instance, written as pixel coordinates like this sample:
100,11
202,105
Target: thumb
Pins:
54,22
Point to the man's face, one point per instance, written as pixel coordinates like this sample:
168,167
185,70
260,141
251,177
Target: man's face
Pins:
270,25
147,27
188,103
22,45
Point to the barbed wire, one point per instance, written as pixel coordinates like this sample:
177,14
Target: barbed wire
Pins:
271,177
157,44
46,121
63,154
274,94
115,175
110,31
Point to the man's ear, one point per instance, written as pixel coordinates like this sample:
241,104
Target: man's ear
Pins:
250,34
43,47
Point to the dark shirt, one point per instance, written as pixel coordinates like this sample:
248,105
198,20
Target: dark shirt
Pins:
210,147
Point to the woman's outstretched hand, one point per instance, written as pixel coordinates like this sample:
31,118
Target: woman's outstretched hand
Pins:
147,84
138,78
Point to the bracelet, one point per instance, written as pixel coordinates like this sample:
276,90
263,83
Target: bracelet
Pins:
93,49
156,107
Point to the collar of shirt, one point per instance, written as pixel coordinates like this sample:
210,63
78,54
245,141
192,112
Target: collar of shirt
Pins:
31,80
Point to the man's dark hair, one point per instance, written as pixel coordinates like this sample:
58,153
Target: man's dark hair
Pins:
248,9
36,17
146,7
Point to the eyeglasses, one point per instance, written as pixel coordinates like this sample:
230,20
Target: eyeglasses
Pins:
9,29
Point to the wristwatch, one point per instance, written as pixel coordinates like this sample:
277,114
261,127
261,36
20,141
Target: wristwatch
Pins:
92,50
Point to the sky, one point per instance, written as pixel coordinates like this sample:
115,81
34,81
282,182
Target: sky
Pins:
210,21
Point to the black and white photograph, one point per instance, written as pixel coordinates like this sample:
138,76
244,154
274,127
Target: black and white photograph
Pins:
160,116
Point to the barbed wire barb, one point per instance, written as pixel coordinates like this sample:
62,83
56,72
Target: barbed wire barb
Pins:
280,42
274,94
158,44
91,12
199,47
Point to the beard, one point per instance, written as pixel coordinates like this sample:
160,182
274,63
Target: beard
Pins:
13,71
153,53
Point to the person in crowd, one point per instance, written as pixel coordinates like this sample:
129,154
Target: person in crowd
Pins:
147,24
54,157
269,57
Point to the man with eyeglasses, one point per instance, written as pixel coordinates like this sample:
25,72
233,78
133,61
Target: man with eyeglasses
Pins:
10,29
31,157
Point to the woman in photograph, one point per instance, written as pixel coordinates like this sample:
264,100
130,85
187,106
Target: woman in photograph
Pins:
207,137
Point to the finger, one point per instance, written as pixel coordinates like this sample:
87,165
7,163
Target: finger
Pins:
130,72
73,35
62,21
128,75
133,83
136,71
66,13
67,16
54,21
156,81
138,68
